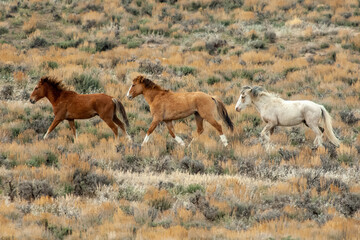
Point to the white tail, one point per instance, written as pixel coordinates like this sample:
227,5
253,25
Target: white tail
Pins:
328,127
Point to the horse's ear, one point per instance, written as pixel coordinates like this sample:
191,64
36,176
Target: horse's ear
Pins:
255,91
245,88
43,79
140,78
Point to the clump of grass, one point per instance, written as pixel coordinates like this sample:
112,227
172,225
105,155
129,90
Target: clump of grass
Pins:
161,204
3,30
86,83
249,74
183,70
69,44
129,193
104,45
52,64
38,42
134,43
212,80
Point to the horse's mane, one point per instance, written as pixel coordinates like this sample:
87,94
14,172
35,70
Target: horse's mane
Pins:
53,81
257,91
148,83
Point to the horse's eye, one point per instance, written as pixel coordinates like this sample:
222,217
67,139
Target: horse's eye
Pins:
242,97
133,85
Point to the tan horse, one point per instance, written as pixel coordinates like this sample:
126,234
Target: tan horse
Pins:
166,106
69,105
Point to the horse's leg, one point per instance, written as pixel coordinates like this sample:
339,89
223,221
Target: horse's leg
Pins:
199,123
53,125
72,127
122,126
218,127
265,134
319,134
112,125
152,127
172,133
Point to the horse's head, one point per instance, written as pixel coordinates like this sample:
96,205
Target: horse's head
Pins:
246,97
137,87
39,91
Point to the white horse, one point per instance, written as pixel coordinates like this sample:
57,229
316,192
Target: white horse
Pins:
275,111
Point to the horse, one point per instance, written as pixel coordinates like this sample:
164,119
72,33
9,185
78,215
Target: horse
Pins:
166,106
275,111
69,105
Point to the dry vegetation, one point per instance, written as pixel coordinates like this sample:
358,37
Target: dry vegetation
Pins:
98,187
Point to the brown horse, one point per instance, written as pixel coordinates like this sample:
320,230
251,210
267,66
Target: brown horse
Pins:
166,106
69,105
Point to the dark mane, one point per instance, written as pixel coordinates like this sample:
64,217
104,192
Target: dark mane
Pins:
53,81
148,83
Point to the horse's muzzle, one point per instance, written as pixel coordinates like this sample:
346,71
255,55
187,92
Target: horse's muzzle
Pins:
129,97
238,109
32,101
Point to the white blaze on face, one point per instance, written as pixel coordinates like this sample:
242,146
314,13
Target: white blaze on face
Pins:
237,107
128,93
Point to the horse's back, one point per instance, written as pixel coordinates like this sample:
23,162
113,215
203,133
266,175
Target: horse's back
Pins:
80,106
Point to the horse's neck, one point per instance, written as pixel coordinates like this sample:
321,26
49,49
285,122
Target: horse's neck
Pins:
150,94
262,103
53,95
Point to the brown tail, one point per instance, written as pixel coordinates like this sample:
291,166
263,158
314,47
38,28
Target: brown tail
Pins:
223,113
121,110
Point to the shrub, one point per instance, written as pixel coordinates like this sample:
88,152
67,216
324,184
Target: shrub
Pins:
161,204
69,44
213,45
59,232
86,83
38,42
30,190
7,92
85,183
212,80
183,70
3,30
147,66
129,193
270,36
249,74
52,65
134,43
193,166
103,45
258,44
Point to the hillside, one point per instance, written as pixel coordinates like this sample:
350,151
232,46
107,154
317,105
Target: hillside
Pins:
96,186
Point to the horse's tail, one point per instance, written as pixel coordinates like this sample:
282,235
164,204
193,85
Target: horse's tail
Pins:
223,113
121,110
328,127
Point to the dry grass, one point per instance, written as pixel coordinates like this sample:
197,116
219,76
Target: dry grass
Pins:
106,188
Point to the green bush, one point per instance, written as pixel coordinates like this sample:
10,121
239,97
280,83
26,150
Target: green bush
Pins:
183,70
86,83
3,30
38,42
104,44
52,65
161,204
133,43
212,80
69,44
